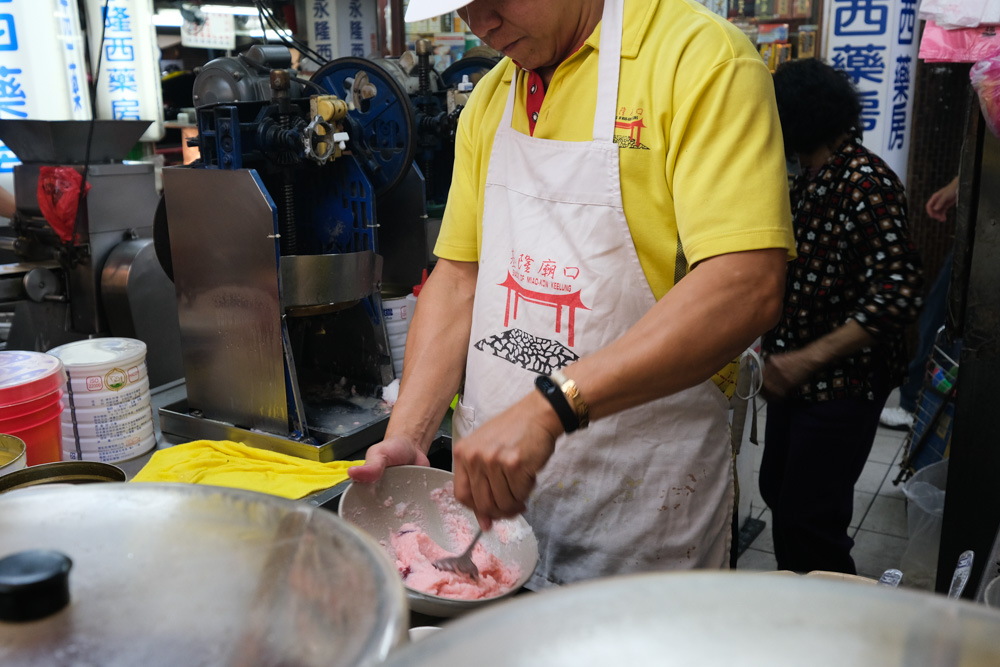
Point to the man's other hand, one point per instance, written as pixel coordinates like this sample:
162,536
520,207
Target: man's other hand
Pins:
394,451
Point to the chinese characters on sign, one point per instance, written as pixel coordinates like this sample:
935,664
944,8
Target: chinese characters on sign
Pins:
320,35
873,42
119,58
129,83
42,72
340,28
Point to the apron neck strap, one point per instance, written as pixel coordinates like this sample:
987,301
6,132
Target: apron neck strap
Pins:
608,72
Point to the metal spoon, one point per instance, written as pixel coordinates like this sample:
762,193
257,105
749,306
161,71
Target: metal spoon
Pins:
463,562
961,575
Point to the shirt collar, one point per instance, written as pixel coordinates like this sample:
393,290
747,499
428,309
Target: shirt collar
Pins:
638,16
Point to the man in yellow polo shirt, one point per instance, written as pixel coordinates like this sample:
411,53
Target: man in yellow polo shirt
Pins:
621,146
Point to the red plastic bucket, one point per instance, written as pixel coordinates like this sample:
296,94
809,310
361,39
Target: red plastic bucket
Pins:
38,423
31,385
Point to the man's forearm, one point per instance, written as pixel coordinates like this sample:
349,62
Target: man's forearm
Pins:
704,322
436,349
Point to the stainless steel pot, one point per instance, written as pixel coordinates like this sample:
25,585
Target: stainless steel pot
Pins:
717,618
189,575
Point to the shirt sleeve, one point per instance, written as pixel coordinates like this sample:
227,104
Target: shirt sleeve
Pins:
726,163
876,227
458,238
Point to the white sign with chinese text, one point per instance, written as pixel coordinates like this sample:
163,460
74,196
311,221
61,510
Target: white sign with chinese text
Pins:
129,84
42,68
874,41
217,32
340,28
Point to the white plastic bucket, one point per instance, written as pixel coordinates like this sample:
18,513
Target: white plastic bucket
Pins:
398,313
103,414
94,443
112,381
98,399
107,415
103,364
397,340
110,453
113,429
399,309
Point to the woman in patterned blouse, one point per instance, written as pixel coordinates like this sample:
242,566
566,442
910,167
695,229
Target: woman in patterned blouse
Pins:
838,350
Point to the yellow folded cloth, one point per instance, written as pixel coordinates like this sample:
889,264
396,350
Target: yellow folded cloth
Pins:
233,464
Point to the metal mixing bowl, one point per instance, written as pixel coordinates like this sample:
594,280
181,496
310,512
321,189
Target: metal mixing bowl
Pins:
369,507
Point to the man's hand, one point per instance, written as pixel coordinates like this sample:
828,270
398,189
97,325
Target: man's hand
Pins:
942,200
394,451
783,373
496,465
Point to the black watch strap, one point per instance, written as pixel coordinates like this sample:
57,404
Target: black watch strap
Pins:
551,391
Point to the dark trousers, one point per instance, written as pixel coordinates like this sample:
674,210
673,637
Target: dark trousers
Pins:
813,456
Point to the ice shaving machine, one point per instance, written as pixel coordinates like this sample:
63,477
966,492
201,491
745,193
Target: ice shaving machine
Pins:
306,206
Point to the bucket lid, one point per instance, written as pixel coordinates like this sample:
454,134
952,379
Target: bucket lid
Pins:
84,355
25,376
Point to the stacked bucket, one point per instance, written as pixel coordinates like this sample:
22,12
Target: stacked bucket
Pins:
397,313
107,415
31,387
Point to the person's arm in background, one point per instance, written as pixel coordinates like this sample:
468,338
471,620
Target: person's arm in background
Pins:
897,280
942,200
436,347
7,206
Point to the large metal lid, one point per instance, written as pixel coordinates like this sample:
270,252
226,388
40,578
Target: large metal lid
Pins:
65,141
719,618
189,575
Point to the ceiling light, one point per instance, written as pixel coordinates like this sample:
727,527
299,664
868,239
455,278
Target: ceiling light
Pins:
230,9
168,18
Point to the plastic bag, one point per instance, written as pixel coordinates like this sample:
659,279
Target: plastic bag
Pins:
58,198
952,14
925,493
958,46
985,76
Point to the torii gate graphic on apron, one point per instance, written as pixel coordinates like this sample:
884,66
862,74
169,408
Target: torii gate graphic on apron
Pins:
558,301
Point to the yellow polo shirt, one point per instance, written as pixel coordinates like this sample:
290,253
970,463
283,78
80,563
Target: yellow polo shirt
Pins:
702,162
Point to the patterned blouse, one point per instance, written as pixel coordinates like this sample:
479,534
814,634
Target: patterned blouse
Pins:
855,261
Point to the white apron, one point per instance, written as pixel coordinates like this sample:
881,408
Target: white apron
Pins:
649,488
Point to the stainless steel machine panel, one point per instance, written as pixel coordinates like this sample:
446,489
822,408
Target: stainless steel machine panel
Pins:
223,239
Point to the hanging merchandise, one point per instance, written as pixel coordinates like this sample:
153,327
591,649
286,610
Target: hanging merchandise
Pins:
985,76
953,14
967,45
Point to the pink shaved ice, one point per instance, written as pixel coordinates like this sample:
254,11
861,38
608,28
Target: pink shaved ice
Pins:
415,552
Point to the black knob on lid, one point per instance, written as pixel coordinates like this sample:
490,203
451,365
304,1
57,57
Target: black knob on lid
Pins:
33,584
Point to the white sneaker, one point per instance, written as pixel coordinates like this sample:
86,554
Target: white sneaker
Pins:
896,418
